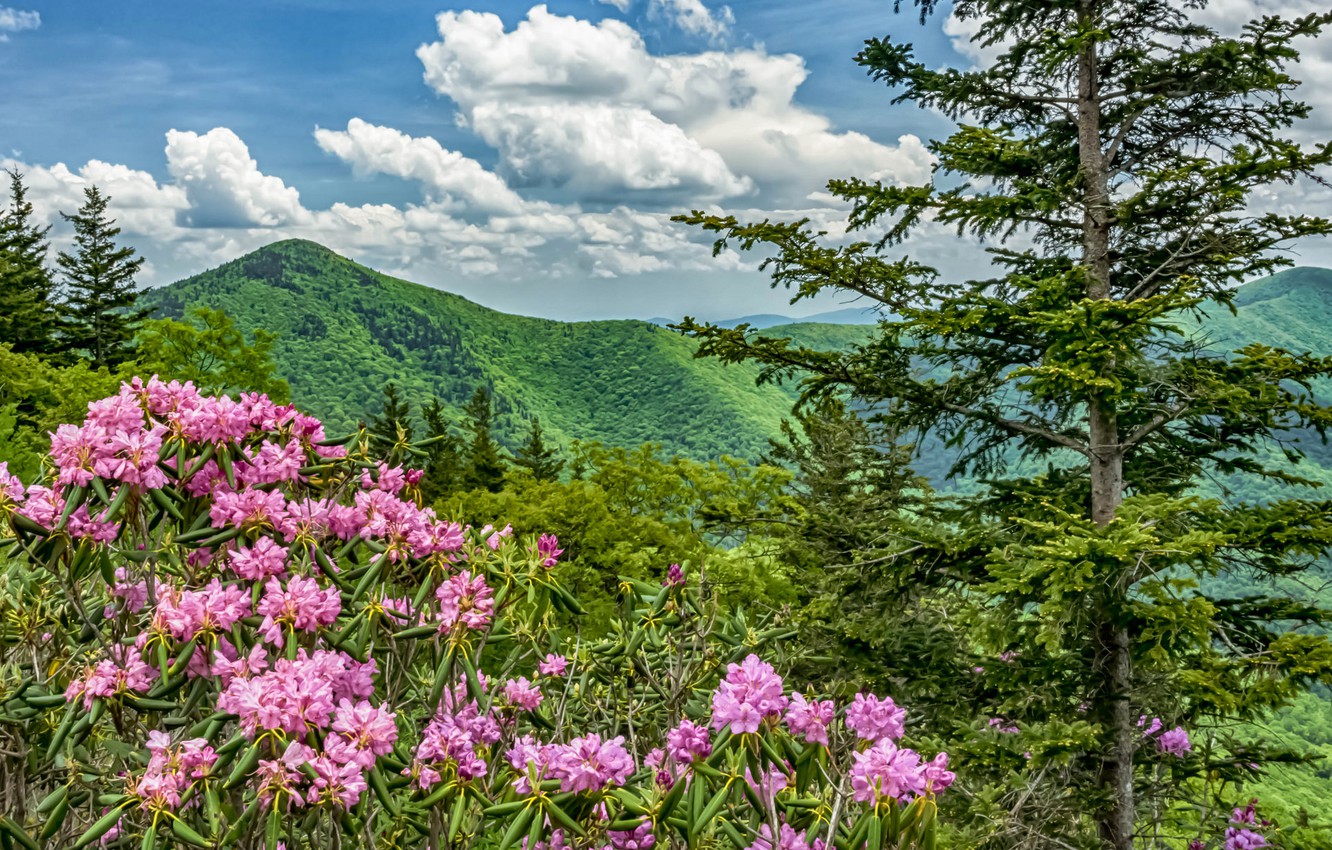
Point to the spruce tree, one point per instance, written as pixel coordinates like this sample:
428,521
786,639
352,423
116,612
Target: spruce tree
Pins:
98,286
393,425
28,318
541,461
443,468
1108,157
483,466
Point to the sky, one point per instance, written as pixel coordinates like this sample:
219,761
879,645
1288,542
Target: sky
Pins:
526,156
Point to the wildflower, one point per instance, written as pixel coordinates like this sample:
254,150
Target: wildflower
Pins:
553,665
369,729
687,742
638,838
11,489
874,719
548,550
1174,742
885,772
301,606
787,839
750,694
675,576
257,562
467,599
521,693
589,763
810,719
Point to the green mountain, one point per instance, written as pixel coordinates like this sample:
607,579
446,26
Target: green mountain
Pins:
345,331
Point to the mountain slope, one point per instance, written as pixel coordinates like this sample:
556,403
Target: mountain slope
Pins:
346,330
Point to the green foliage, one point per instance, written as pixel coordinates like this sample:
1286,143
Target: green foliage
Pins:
635,512
35,397
345,331
212,352
28,319
1124,144
483,466
98,286
542,462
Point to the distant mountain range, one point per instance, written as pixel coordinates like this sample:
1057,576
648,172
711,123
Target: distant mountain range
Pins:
346,330
848,316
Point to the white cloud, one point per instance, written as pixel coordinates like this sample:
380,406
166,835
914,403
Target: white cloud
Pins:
694,18
17,20
451,179
622,5
224,185
585,105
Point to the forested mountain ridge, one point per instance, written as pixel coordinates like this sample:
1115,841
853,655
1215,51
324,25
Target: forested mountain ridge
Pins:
344,331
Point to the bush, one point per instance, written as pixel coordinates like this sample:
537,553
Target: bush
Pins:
223,630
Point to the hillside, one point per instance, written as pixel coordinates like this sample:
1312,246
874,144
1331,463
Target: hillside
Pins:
346,330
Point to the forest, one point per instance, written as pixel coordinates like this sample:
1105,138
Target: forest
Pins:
296,553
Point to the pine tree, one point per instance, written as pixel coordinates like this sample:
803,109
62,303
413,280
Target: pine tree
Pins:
1122,145
483,466
28,318
98,286
541,461
443,468
393,425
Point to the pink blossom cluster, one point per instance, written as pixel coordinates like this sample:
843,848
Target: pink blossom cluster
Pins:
11,488
123,671
888,772
116,442
1238,835
298,695
788,838
548,550
688,742
186,613
466,599
586,763
301,606
553,665
454,739
259,561
750,694
1172,742
172,769
522,694
874,719
809,719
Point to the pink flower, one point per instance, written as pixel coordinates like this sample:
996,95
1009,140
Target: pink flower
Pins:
588,763
874,719
548,550
553,665
750,694
369,729
638,838
186,613
1175,742
121,672
336,782
521,693
688,741
810,719
886,772
303,606
389,479
937,775
787,839
257,562
250,510
675,576
465,599
11,488
999,724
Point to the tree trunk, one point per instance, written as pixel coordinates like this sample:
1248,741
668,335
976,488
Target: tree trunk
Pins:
1113,659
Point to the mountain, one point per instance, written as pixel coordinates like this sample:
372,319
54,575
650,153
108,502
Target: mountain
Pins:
346,330
847,316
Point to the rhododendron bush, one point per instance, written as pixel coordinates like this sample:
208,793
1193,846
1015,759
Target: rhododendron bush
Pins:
223,629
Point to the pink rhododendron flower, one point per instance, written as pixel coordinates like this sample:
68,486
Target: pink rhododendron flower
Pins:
548,550
999,724
688,741
1175,742
259,561
371,730
249,510
522,694
638,838
885,772
11,488
589,763
122,672
874,719
467,599
301,606
186,613
553,665
787,839
750,694
675,576
809,720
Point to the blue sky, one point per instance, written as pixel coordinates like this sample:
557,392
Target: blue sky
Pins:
525,156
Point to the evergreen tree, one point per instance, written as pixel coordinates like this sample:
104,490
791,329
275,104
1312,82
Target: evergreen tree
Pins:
28,318
541,461
443,468
393,425
1123,144
483,467
98,286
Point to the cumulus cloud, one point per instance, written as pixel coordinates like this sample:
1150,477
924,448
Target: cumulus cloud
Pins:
693,17
567,102
17,20
224,185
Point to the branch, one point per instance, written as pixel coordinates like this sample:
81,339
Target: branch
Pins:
1017,427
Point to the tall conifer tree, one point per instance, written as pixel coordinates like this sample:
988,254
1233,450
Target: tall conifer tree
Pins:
98,286
539,459
28,318
483,463
1109,156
